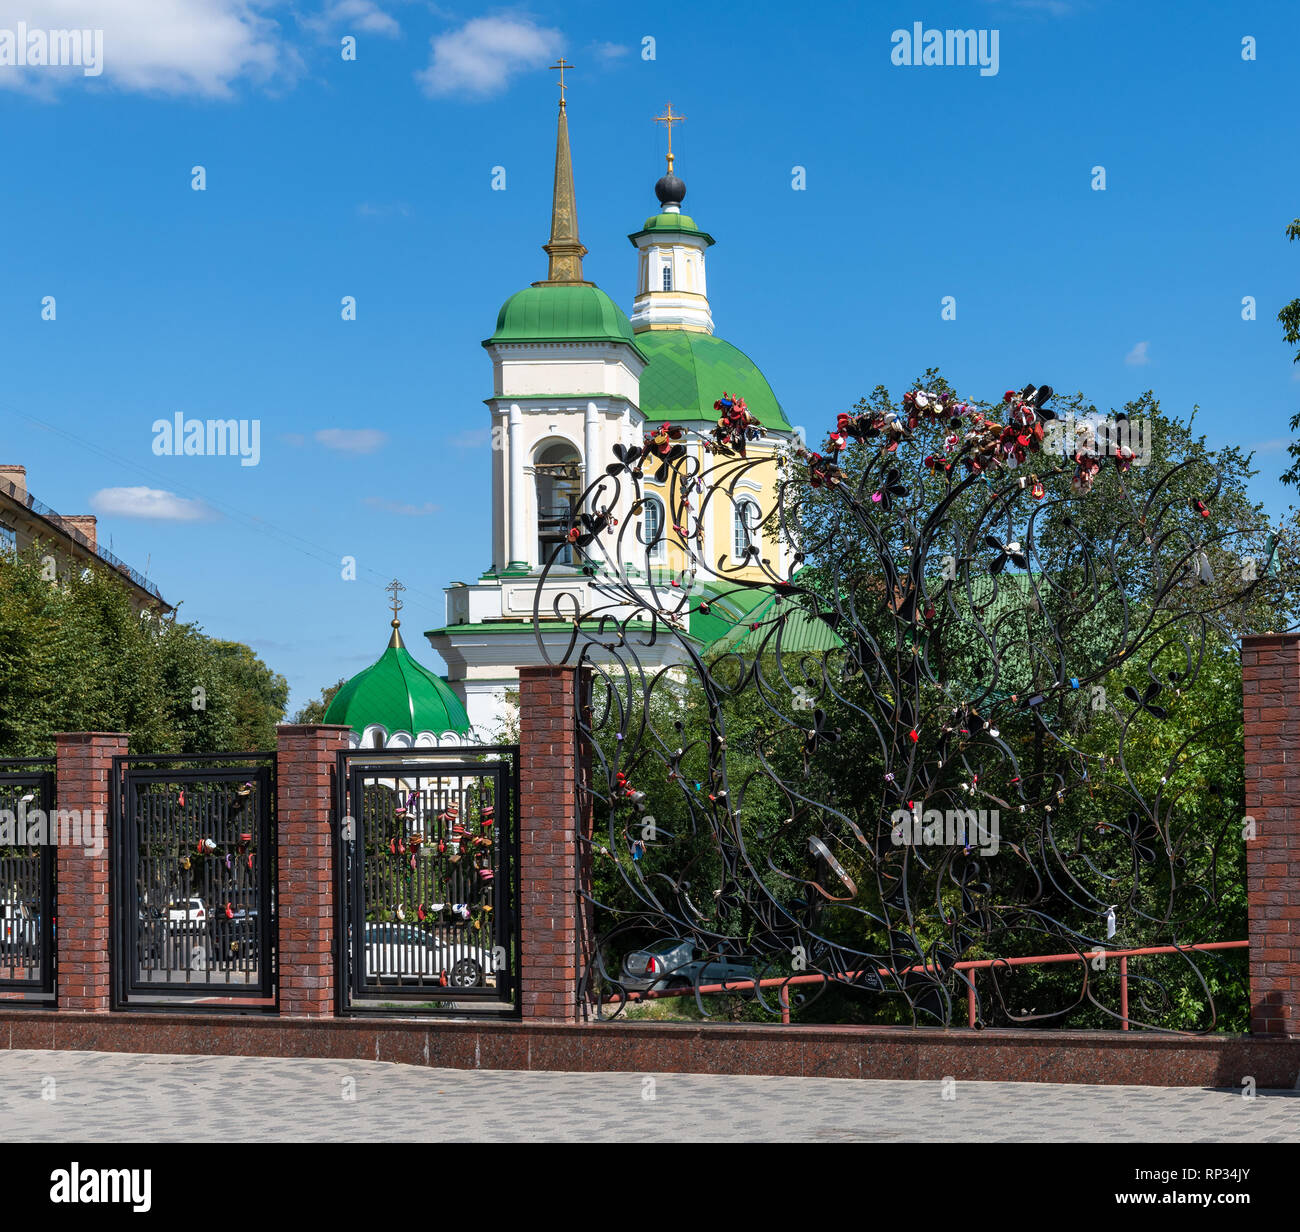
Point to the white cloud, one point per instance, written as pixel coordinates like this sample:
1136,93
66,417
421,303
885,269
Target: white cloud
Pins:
152,504
1138,355
401,508
471,438
372,209
168,46
478,60
352,440
608,51
351,17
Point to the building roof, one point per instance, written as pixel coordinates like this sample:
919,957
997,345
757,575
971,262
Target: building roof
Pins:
558,313
688,373
400,695
669,223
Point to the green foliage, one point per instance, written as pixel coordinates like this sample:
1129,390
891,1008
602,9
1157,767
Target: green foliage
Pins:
1290,319
76,656
314,710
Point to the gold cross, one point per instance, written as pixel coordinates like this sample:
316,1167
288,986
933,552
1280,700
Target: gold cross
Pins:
393,587
668,120
562,65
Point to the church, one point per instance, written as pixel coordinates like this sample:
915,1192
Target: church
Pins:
573,376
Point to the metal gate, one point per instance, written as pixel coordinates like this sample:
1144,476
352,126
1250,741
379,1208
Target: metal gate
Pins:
194,877
27,873
427,866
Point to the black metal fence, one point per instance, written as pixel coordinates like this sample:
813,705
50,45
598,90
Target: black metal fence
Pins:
194,880
28,838
427,866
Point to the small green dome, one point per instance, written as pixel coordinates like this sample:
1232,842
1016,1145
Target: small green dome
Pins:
688,372
565,313
660,224
400,695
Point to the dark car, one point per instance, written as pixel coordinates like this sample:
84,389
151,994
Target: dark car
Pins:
672,964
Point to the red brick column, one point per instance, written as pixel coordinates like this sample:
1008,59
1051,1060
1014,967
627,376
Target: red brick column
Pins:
82,781
305,803
1270,685
553,923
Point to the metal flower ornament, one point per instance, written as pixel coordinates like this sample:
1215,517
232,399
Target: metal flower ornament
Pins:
906,728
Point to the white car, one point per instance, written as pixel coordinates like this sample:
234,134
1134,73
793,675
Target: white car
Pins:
402,951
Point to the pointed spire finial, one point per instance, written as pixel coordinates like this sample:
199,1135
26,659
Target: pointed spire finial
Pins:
394,588
561,64
564,249
668,119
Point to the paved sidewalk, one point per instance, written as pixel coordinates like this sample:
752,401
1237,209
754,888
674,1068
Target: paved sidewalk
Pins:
115,1097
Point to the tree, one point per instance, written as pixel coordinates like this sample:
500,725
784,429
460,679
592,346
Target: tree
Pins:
76,656
314,710
1048,637
1290,319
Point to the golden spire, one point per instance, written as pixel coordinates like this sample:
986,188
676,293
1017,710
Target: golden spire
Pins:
394,588
564,248
668,120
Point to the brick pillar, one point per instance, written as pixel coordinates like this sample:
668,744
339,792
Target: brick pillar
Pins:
1270,685
305,806
552,923
82,781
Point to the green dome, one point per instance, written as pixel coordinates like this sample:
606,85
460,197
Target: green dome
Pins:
689,372
659,224
565,313
400,695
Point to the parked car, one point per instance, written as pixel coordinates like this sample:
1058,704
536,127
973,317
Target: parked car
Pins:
187,915
20,928
402,951
672,964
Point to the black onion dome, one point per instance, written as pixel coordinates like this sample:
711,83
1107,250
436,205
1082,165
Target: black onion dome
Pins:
670,190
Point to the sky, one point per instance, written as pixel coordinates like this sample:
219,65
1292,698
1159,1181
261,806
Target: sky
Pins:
327,177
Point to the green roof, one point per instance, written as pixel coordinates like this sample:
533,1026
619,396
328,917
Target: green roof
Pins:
400,695
689,372
681,224
561,313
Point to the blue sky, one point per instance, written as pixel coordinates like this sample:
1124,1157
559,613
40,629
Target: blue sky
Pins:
372,178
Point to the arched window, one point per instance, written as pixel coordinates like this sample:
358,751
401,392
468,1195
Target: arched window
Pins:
745,532
653,532
558,471
668,277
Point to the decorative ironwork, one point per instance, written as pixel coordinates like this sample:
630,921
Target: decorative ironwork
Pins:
27,873
936,730
427,888
194,900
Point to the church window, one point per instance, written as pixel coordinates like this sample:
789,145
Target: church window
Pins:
654,528
745,528
668,277
558,472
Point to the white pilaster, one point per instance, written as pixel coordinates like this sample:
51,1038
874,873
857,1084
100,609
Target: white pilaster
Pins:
519,550
591,445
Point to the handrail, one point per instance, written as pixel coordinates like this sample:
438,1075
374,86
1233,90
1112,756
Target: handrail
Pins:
975,964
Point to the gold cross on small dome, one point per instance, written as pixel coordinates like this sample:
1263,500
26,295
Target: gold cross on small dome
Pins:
668,119
393,588
562,64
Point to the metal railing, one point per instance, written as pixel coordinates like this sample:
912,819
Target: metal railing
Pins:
64,527
784,983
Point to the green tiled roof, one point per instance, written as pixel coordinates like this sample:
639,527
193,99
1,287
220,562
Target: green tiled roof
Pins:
561,313
400,694
689,372
666,223
800,632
